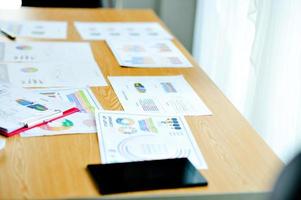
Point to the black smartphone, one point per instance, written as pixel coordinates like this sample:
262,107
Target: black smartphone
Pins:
145,175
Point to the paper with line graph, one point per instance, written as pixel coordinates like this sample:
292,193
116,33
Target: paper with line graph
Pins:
158,94
81,122
125,137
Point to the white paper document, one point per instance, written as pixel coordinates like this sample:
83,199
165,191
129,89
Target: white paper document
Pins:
45,52
122,30
148,54
20,107
36,29
125,137
53,74
170,95
81,122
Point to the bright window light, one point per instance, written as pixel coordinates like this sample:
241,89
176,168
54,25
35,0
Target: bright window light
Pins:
10,4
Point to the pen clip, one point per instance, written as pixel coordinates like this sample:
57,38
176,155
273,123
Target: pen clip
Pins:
36,121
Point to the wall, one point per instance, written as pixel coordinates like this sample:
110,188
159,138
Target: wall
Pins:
178,15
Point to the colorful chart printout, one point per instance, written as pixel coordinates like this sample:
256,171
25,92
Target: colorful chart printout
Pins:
20,107
158,94
81,122
146,137
150,53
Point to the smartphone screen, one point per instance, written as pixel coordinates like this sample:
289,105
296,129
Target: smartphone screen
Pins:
145,175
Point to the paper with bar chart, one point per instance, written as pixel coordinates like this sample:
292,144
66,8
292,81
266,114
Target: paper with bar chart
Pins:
148,54
81,122
122,30
158,94
36,29
53,74
20,106
45,52
125,137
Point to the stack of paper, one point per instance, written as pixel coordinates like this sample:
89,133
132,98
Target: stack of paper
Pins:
81,122
55,64
21,109
49,64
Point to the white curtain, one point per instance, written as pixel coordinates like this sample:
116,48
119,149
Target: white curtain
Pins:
252,50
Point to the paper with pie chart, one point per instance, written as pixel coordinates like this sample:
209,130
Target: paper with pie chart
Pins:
68,52
81,122
122,30
125,137
19,106
148,54
158,94
36,29
54,74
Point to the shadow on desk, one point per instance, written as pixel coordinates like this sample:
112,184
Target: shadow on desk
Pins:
232,196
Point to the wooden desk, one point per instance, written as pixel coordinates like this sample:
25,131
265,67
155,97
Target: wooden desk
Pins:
49,167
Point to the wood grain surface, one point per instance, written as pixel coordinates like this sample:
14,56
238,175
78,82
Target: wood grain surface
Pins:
55,166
